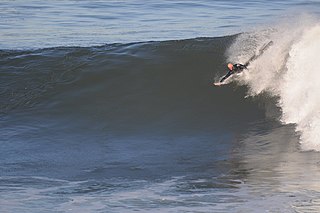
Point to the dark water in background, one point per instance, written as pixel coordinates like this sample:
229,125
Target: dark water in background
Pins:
137,126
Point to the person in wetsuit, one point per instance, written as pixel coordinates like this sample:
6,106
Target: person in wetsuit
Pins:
233,69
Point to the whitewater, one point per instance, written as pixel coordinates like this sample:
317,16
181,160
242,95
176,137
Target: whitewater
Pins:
288,70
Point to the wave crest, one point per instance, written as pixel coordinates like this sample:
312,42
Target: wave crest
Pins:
288,70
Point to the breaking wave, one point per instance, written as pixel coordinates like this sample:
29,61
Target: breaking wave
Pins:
166,86
289,71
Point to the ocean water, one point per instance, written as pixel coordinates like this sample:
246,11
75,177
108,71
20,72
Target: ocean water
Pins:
109,106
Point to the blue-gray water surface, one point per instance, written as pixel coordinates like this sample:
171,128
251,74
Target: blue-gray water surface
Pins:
37,24
108,106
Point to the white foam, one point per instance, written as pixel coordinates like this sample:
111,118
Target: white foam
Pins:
290,70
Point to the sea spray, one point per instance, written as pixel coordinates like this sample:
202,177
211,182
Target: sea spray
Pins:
300,89
287,70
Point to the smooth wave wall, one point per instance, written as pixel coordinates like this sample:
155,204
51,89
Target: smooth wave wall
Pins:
165,86
154,88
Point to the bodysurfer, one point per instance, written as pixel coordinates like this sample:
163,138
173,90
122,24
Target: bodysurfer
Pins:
233,69
238,68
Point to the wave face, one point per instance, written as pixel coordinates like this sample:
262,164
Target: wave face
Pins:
288,70
122,111
165,87
138,87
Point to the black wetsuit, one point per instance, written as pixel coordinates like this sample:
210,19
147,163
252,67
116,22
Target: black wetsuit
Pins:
237,68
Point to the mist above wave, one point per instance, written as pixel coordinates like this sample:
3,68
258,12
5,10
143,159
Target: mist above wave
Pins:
288,70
